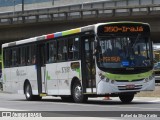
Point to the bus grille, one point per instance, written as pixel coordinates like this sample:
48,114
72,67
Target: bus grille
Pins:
131,87
129,81
157,72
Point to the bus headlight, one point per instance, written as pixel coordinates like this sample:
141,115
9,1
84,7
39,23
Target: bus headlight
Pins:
151,77
112,81
101,76
107,79
146,79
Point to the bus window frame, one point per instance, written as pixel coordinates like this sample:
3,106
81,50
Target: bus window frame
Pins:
65,38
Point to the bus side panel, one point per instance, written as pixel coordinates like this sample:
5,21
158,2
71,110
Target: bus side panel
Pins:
51,79
75,70
22,75
59,77
14,79
32,77
7,86
62,76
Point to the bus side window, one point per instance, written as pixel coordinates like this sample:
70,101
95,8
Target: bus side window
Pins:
73,49
7,55
47,54
22,55
65,51
76,48
52,52
59,52
70,50
33,54
62,49
87,49
28,55
14,58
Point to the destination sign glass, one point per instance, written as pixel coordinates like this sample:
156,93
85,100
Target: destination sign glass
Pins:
123,28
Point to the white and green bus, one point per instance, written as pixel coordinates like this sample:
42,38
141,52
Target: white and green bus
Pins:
105,59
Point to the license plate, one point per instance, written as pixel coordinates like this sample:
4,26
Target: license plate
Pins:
130,86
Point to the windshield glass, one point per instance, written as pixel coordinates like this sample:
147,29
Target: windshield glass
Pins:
122,51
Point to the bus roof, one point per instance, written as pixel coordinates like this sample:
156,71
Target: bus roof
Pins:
50,36
63,33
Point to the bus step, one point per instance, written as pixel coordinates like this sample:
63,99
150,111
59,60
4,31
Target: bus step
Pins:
43,94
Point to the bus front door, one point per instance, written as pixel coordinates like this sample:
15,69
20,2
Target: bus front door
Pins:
41,68
88,64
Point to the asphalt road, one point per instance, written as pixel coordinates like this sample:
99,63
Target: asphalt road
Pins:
93,108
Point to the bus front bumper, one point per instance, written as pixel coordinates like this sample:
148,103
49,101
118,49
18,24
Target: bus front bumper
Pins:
119,87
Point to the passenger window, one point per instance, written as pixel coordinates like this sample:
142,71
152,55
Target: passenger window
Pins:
73,49
7,55
31,54
76,50
52,52
22,56
62,50
70,49
14,56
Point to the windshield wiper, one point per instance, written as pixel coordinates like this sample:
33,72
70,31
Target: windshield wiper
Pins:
136,40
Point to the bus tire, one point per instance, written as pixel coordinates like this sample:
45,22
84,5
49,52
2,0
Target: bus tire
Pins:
77,94
28,93
126,98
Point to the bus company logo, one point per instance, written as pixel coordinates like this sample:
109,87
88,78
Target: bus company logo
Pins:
20,73
6,114
65,69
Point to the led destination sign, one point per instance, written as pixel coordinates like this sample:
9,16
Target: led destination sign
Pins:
123,28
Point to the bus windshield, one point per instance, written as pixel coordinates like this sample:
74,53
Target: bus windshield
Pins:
124,51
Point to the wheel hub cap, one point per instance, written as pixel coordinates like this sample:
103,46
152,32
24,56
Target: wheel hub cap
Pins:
78,92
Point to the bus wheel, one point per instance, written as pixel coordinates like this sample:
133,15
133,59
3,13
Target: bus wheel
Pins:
77,94
29,95
126,98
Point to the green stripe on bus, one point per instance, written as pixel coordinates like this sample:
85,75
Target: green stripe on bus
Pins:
1,59
129,77
47,76
79,72
69,32
4,77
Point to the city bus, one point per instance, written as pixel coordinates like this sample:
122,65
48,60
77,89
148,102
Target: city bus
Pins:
106,59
